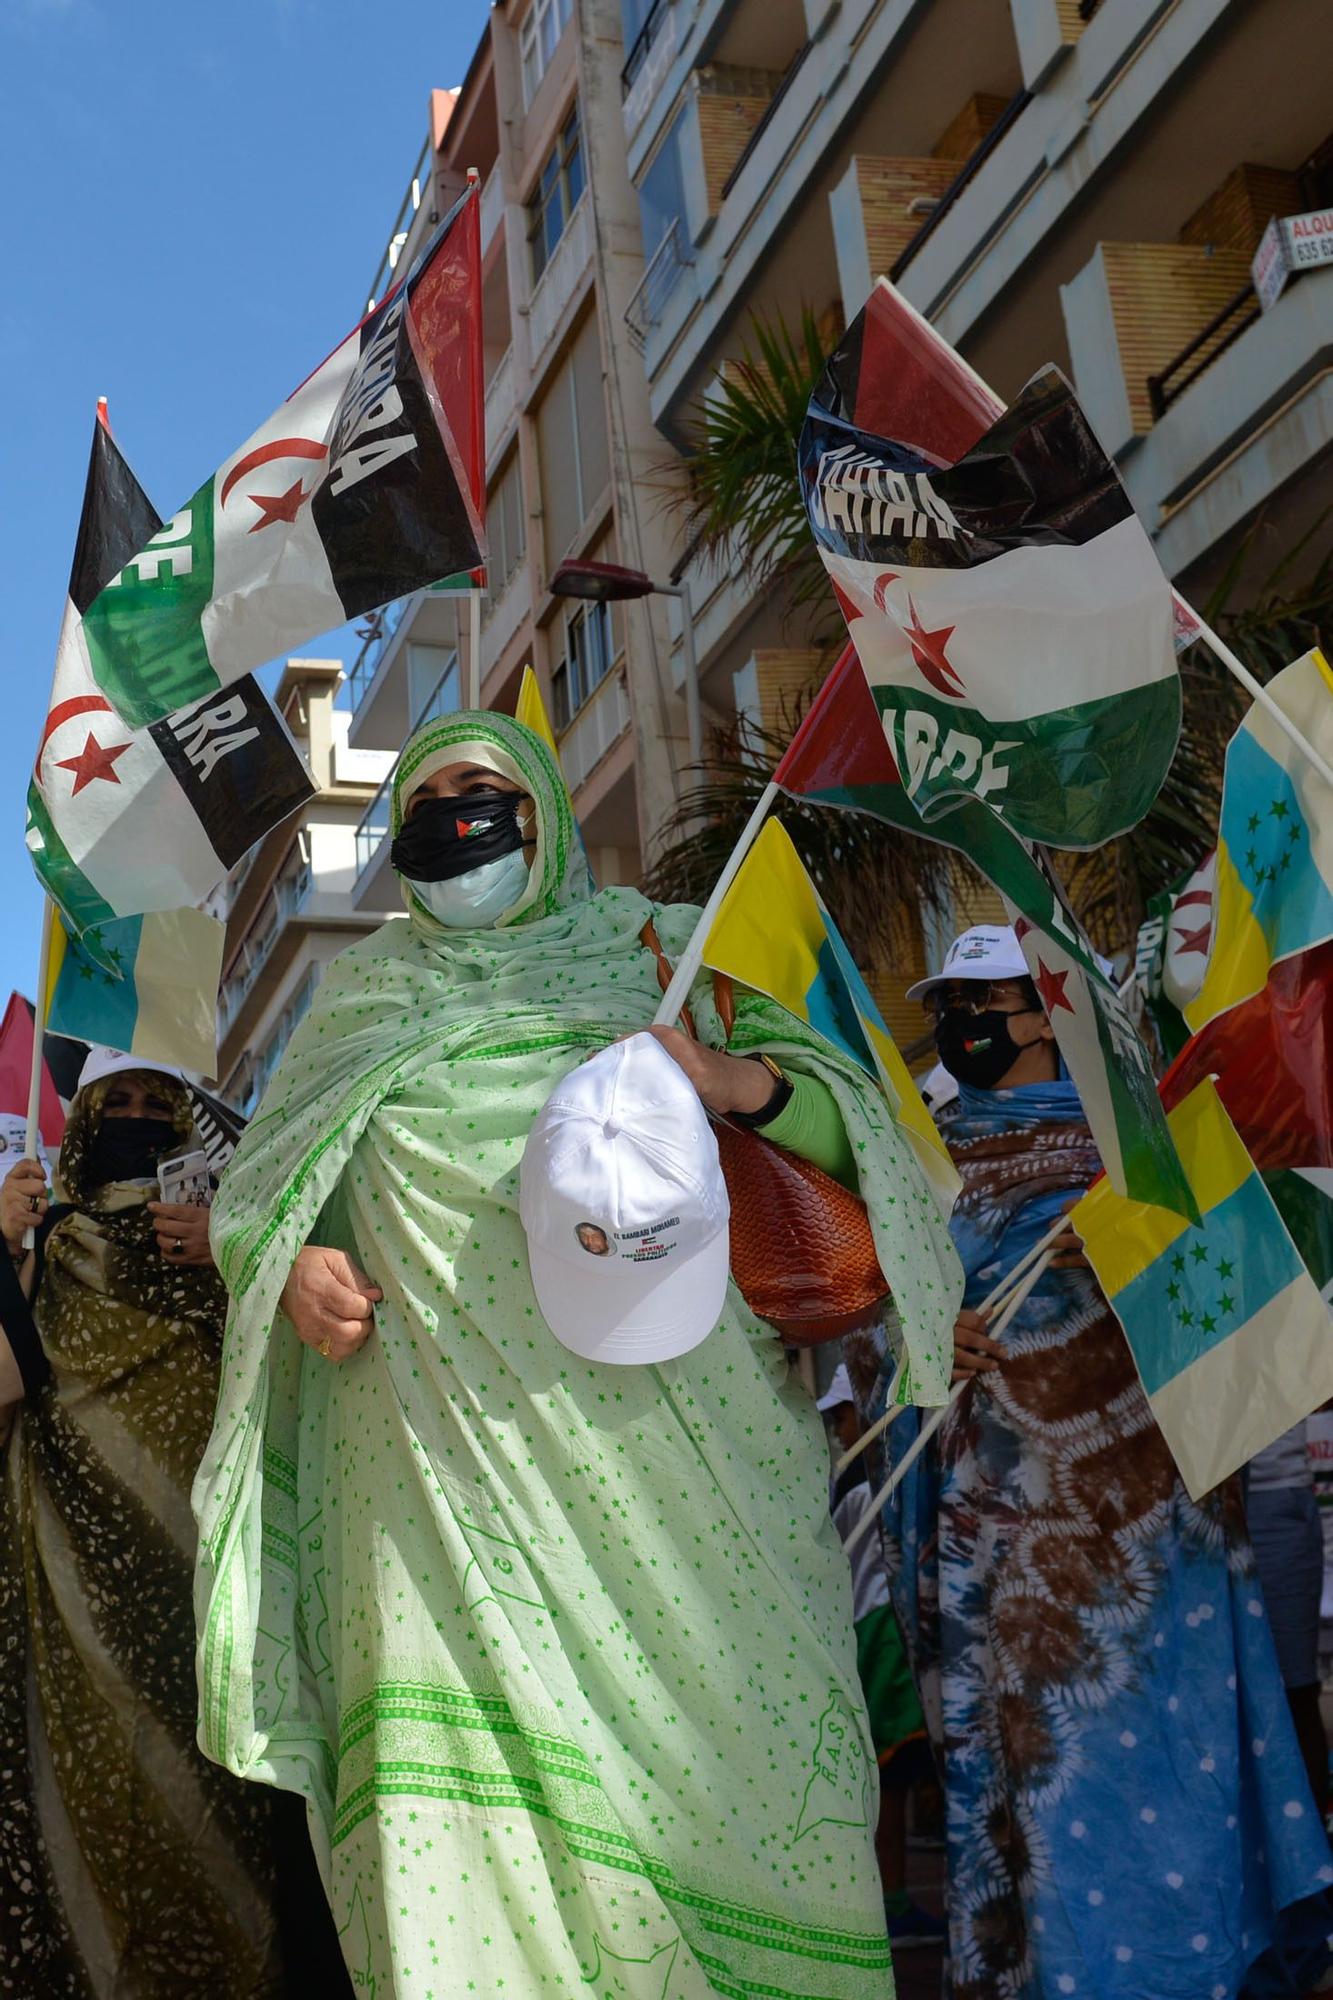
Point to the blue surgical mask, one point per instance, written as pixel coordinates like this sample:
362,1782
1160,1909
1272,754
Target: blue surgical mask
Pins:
475,900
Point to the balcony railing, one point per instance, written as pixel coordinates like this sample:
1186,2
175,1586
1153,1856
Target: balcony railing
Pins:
643,42
789,76
1201,352
380,628
660,277
962,180
373,829
283,902
559,281
597,727
419,187
492,207
500,402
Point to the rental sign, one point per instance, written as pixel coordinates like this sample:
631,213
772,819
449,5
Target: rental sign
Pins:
1289,245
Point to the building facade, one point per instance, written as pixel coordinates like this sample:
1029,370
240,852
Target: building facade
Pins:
1077,181
288,904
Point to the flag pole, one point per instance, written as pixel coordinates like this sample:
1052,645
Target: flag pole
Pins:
1236,666
33,1136
474,644
687,969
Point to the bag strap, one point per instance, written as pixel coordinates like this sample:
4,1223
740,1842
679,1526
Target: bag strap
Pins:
724,990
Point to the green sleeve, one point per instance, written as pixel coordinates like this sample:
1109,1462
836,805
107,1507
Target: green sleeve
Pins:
810,1124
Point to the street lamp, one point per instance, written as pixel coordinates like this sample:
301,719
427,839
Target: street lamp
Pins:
610,583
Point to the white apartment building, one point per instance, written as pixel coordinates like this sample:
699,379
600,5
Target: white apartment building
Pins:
288,905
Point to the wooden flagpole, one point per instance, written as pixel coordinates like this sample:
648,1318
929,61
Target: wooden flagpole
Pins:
687,968
1260,693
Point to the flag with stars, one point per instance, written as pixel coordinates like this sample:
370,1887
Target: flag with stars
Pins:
145,984
367,483
1171,952
1231,1338
1007,607
121,821
1274,894
841,757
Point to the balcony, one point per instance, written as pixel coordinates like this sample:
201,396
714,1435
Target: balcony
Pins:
599,725
501,406
380,629
502,619
648,61
418,212
878,208
647,308
1247,424
285,901
560,281
373,830
492,208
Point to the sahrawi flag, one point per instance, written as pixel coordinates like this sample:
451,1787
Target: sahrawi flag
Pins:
124,821
840,757
1007,608
368,483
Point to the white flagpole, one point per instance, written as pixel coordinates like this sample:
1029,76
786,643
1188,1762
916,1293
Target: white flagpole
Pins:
1236,666
474,648
32,1138
692,957
936,1417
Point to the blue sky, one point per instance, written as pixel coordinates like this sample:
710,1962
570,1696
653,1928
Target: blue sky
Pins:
195,201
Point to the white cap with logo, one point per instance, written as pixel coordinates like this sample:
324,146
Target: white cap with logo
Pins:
101,1061
987,951
625,1208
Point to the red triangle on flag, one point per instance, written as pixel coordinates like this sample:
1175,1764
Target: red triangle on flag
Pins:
16,1072
841,742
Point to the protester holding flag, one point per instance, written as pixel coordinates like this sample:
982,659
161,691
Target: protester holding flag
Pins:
499,1612
128,1862
1127,1808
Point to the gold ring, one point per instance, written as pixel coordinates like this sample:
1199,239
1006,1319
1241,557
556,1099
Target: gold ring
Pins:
326,1346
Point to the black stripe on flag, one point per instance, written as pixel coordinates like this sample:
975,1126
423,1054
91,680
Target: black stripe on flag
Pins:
118,520
237,766
1037,479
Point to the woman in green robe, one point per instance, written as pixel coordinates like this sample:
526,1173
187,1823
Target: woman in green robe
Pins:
559,1654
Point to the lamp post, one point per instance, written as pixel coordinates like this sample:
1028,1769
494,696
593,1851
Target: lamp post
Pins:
609,583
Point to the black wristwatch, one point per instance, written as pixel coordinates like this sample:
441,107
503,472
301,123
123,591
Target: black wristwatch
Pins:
754,1121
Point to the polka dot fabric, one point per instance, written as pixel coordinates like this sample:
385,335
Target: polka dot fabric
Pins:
561,1655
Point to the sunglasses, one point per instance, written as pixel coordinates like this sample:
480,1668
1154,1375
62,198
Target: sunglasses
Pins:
977,996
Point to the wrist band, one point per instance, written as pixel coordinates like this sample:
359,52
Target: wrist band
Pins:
754,1121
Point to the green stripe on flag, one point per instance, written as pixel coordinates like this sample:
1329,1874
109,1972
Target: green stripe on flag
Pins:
59,874
1054,768
143,630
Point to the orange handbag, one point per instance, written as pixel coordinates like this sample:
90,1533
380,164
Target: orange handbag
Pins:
802,1250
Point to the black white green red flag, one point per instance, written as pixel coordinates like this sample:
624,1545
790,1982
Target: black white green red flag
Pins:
840,757
1007,607
367,484
122,822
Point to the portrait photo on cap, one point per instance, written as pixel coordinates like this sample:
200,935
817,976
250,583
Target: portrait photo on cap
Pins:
625,1209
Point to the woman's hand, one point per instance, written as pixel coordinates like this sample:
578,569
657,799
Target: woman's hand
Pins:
974,1352
330,1301
724,1083
1067,1252
182,1231
23,1202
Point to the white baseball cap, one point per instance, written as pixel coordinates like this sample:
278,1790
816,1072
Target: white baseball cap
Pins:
839,1390
987,951
626,1211
101,1061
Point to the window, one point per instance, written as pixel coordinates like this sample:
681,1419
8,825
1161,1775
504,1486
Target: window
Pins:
559,186
506,528
572,444
662,193
590,648
546,22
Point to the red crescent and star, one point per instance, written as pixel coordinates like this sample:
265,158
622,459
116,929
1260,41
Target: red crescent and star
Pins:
273,506
1051,986
94,760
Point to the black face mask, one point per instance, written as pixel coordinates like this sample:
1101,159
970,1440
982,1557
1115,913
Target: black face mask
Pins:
447,837
977,1048
128,1149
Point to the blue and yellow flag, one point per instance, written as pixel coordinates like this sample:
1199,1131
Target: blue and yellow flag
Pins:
147,985
1230,1336
773,933
1275,843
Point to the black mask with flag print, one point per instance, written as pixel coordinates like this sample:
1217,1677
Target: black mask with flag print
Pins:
978,1049
448,837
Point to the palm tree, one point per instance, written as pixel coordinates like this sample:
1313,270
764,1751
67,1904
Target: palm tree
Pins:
743,507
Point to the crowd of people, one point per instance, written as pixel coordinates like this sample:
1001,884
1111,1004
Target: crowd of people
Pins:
421,1575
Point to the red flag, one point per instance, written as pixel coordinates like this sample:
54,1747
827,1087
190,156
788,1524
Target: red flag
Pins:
16,1072
914,387
840,745
1273,1060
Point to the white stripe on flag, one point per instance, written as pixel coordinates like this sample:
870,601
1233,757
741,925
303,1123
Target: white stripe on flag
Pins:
265,588
1031,630
1245,1392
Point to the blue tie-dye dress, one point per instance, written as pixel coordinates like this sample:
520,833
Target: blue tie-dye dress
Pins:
1127,1807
